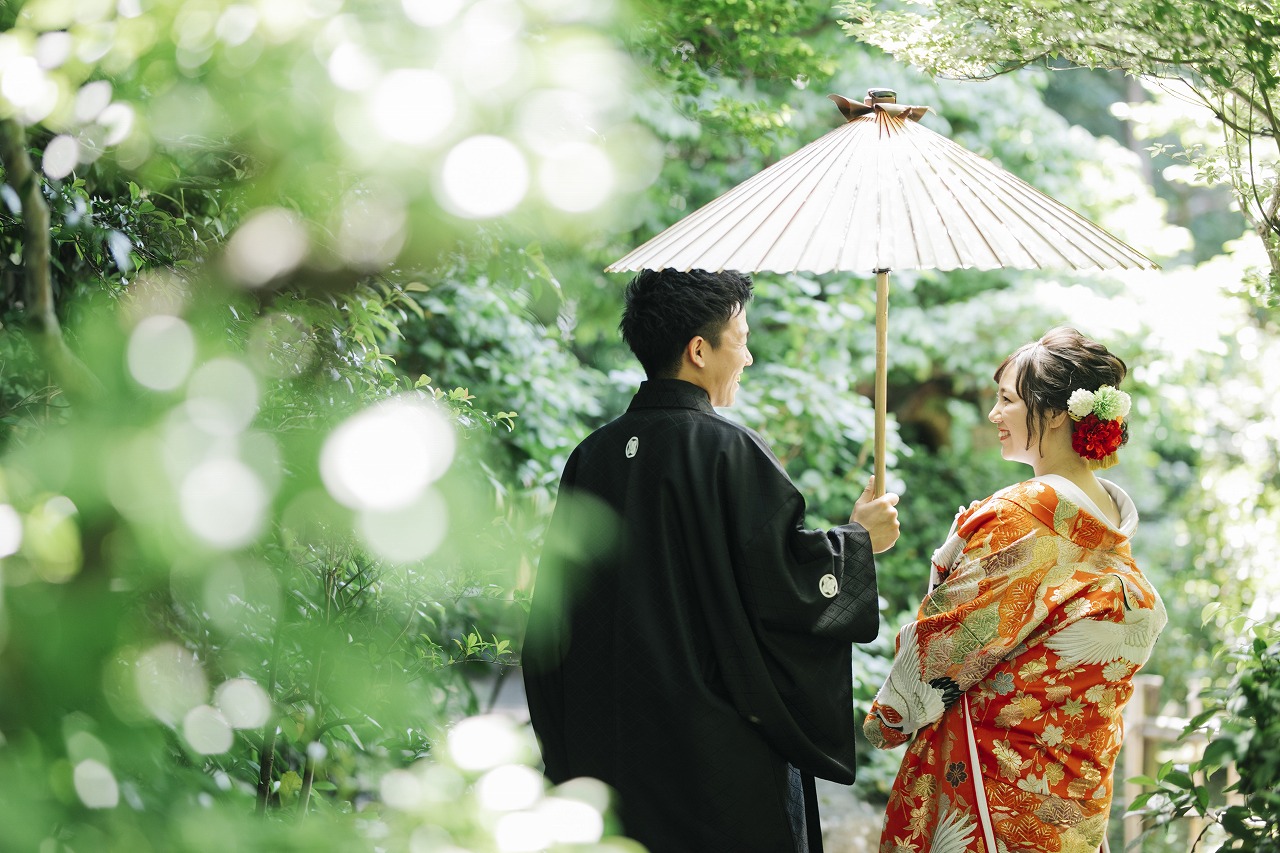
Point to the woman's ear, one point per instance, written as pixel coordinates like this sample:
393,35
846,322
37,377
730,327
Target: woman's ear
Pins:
1057,419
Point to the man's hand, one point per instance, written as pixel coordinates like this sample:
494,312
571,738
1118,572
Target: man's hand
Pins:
879,516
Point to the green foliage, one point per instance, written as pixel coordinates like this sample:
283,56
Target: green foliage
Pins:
175,534
279,138
724,60
1242,725
1221,54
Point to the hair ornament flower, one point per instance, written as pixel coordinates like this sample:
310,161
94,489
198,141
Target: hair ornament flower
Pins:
1100,429
1107,403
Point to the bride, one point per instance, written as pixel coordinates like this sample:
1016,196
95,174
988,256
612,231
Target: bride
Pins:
1010,682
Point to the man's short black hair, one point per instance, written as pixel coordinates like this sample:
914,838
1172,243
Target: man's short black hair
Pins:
666,309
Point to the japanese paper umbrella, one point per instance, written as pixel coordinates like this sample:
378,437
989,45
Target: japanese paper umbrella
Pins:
882,192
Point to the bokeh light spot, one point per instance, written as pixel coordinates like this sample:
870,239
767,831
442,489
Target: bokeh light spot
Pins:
548,118
91,100
401,789
118,121
409,533
10,530
237,24
53,540
161,352
588,64
385,457
223,502
577,178
25,85
522,832
431,13
60,157
571,821
413,105
96,785
244,705
351,68
170,682
484,176
490,49
269,244
53,49
509,788
372,230
222,397
484,742
206,731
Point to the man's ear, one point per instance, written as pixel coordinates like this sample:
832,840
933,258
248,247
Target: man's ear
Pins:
695,351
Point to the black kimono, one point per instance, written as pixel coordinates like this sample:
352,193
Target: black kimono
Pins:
689,640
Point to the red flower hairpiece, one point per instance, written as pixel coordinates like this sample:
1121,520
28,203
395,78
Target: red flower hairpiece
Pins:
1095,438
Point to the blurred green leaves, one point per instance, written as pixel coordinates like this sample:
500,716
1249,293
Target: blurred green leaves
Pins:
273,223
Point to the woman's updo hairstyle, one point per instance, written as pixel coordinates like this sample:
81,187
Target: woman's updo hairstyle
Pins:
1051,368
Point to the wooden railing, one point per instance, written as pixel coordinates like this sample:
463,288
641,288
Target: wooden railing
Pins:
1152,738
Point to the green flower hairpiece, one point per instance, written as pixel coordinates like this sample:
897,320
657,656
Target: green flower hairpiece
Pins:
1108,403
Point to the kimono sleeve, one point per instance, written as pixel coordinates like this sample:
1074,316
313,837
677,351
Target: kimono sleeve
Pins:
965,626
784,603
796,579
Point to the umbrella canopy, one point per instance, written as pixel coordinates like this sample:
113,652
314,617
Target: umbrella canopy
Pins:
882,192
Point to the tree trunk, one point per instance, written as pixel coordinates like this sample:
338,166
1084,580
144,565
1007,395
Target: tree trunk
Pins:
66,370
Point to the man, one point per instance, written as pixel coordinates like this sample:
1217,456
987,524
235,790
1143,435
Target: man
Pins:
689,640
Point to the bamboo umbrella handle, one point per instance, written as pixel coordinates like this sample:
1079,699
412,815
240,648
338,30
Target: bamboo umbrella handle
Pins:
882,375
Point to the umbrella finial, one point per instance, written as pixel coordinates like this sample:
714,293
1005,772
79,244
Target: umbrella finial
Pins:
880,101
850,109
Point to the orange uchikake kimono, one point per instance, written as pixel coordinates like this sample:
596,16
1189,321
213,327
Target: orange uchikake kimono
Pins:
1019,663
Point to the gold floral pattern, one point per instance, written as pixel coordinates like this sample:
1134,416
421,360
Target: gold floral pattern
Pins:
1028,565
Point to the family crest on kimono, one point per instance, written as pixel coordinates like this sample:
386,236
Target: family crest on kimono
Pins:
689,640
1010,682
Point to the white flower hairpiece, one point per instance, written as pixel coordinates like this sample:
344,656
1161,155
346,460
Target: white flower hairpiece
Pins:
1107,403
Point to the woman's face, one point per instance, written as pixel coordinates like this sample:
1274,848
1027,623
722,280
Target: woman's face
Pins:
1009,414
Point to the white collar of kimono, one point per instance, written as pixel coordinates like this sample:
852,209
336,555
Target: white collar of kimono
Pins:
1128,511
